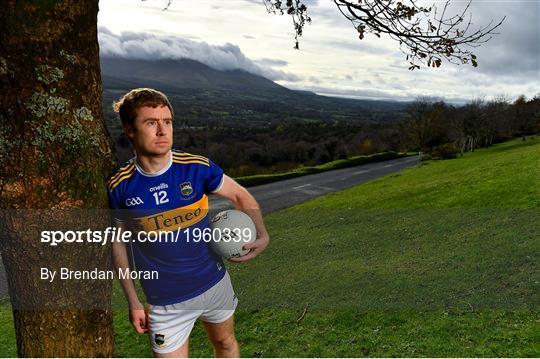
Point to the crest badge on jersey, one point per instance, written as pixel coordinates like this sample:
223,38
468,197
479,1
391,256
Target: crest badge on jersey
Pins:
186,189
159,339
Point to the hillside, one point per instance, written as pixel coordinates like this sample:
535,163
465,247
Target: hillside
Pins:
440,260
437,260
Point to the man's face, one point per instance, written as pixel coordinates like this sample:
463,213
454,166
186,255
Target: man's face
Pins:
151,132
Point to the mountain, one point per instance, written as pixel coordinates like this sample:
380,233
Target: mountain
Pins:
206,96
185,74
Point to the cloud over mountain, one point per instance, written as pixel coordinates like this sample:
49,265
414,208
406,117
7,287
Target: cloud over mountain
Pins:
145,46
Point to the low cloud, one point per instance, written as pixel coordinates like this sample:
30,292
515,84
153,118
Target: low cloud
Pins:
515,51
356,93
375,94
271,62
144,46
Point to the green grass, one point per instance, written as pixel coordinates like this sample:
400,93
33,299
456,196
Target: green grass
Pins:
7,338
436,260
345,333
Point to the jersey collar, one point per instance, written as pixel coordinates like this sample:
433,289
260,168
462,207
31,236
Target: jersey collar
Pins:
154,174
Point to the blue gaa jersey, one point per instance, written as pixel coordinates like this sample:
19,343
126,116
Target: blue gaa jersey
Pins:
173,199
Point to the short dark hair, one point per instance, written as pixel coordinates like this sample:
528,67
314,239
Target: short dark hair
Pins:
128,104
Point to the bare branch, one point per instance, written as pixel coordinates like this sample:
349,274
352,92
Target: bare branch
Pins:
424,36
167,4
296,9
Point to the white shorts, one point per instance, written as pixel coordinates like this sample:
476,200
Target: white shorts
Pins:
170,325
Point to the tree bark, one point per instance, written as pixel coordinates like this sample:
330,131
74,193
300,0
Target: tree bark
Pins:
54,153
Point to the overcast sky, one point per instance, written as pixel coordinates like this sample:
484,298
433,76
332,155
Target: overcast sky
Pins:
240,34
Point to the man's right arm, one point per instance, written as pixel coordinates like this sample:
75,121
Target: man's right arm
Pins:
137,314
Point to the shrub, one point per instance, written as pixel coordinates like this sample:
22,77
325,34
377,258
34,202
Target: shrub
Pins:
445,151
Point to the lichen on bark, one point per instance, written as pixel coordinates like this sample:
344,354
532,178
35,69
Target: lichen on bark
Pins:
83,113
42,103
49,74
72,59
3,67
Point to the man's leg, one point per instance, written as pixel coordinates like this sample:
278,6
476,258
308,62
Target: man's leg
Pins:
182,352
169,329
222,337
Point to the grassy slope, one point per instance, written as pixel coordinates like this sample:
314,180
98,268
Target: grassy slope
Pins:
438,260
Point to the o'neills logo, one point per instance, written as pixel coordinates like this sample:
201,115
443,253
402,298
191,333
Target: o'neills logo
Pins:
177,218
161,186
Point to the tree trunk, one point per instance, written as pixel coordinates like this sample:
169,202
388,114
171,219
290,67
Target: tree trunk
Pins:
462,144
54,153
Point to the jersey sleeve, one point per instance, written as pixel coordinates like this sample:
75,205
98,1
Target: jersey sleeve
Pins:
213,178
115,206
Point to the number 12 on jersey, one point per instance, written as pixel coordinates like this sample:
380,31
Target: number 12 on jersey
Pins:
161,197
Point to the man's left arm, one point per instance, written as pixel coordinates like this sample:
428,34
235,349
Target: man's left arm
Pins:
244,201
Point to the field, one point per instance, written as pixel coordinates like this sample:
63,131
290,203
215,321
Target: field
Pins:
437,260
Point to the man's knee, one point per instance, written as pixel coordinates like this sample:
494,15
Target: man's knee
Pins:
226,342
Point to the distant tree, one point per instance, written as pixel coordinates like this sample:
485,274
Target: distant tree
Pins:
520,115
535,113
497,111
470,120
331,147
425,123
425,34
525,115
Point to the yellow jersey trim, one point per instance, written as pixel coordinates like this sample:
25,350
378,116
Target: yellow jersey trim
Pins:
121,176
185,154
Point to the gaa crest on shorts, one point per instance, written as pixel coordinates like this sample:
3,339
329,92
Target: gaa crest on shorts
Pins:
186,189
159,339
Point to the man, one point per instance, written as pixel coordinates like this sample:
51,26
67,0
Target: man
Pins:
164,189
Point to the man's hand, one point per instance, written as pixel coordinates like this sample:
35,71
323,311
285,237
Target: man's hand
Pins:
245,202
255,248
138,318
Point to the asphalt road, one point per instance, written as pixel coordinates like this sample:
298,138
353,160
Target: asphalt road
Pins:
282,194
